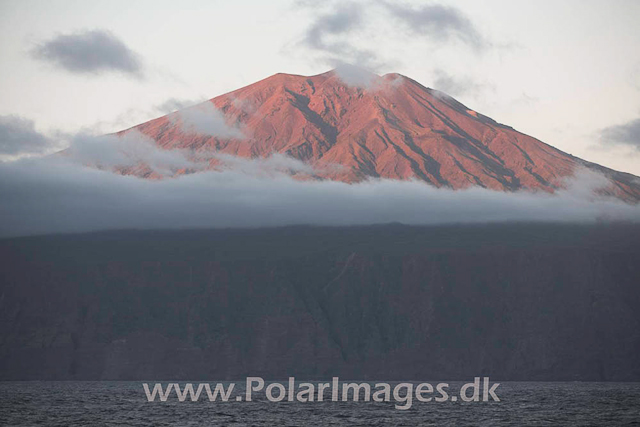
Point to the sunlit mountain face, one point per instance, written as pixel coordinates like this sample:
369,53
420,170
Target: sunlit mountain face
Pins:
376,126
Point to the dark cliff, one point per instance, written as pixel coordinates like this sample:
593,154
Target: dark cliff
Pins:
516,302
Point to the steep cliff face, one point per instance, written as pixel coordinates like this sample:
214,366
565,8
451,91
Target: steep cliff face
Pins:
518,302
393,128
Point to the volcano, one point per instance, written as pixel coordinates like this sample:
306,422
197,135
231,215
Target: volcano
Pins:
392,127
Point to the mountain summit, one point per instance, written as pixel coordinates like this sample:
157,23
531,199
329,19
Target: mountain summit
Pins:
387,126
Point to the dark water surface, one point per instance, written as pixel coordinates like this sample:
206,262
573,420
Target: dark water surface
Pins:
125,404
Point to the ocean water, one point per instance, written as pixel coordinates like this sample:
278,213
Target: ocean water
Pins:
88,403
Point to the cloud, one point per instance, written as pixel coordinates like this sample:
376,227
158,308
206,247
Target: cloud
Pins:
356,76
89,52
246,106
624,134
132,116
330,34
347,32
458,86
439,23
131,149
344,19
19,137
174,104
77,191
55,194
205,119
359,77
136,150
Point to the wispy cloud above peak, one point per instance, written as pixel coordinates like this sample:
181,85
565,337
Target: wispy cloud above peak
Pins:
438,22
345,31
332,34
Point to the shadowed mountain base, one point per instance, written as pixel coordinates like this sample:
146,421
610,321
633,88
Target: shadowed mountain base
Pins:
514,302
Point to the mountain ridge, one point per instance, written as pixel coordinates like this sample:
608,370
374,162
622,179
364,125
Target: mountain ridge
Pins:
390,127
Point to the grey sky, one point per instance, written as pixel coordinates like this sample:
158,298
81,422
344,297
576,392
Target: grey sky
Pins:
459,85
574,62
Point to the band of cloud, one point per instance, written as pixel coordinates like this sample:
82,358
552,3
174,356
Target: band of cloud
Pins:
57,195
79,190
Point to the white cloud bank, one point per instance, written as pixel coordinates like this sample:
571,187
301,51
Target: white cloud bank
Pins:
129,150
60,194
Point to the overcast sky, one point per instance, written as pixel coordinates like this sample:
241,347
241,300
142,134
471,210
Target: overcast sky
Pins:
566,72
71,71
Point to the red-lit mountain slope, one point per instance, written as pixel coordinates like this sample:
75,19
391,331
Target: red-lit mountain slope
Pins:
393,128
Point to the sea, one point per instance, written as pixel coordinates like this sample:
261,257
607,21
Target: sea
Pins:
113,403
